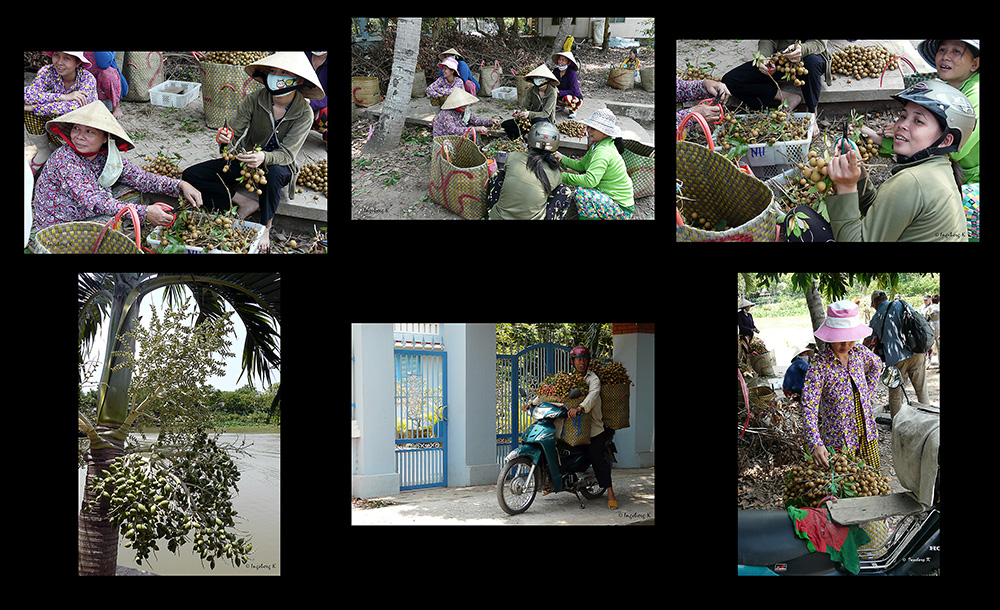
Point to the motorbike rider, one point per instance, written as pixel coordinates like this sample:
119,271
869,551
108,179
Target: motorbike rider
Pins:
599,435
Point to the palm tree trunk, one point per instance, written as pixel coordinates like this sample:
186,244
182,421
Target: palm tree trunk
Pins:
97,540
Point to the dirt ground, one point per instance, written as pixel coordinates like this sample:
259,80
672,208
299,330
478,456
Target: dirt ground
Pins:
395,185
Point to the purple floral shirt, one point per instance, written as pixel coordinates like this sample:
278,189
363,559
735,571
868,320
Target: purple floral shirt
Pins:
828,392
449,123
45,90
66,189
689,90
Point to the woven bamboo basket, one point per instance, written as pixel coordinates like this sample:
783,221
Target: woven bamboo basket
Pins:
79,238
572,433
614,405
715,189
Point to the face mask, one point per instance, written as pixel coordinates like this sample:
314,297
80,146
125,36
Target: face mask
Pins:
280,85
113,167
561,68
540,81
319,52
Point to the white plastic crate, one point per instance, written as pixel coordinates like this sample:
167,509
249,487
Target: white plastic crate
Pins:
174,93
155,244
505,93
780,153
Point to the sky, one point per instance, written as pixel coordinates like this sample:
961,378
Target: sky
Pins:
233,364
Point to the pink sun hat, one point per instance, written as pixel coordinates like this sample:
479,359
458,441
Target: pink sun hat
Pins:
842,324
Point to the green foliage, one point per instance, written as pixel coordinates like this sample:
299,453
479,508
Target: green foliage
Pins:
173,360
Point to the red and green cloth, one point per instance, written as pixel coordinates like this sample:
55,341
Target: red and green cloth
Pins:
822,534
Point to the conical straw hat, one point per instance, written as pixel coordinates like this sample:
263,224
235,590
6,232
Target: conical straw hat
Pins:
295,62
543,71
94,114
459,98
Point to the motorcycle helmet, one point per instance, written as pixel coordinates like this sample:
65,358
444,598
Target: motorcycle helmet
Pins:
951,108
543,136
579,352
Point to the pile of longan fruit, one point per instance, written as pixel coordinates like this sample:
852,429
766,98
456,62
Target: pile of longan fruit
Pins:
806,484
861,62
610,373
236,58
313,175
573,129
164,167
767,127
694,73
560,384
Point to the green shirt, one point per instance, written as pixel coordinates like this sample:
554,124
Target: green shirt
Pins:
604,170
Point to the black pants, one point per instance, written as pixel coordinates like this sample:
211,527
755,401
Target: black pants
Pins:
602,468
205,177
756,90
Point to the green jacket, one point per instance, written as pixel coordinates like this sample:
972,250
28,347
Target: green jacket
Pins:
254,112
920,202
604,170
522,196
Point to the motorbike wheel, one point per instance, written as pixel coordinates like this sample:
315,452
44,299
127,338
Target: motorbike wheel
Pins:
515,492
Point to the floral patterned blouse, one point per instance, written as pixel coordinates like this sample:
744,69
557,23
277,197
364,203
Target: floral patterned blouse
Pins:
689,90
66,189
827,392
45,90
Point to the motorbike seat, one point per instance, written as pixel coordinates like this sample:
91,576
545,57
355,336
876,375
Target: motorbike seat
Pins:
766,537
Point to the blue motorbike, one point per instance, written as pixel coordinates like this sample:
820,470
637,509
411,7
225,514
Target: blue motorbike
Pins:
543,462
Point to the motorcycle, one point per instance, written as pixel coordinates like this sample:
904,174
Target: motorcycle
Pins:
768,545
543,462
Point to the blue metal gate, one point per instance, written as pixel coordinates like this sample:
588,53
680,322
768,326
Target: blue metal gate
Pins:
421,418
525,369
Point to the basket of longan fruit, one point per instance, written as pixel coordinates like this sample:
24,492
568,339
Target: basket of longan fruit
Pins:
197,232
807,484
615,393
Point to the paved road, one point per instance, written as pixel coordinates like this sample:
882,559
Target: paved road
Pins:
477,505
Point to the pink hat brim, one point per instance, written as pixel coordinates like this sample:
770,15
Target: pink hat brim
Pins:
838,335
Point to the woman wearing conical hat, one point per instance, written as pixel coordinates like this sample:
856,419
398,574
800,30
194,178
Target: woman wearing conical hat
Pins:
540,101
569,96
471,85
61,87
446,84
273,123
76,182
456,116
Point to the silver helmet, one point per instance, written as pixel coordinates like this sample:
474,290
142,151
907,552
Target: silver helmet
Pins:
543,136
948,104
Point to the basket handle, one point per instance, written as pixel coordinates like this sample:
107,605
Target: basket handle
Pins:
722,109
704,127
115,223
